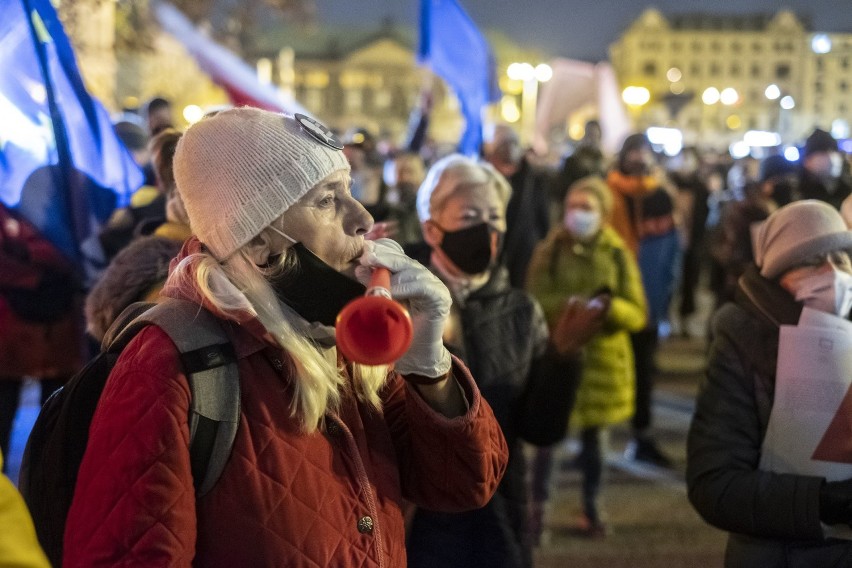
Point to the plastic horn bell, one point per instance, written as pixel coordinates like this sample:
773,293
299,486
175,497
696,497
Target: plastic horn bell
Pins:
374,329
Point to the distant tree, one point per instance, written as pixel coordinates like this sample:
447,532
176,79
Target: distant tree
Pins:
228,20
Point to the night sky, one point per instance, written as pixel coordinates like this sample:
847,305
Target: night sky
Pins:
579,29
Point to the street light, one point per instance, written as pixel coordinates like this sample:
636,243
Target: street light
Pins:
531,77
193,113
772,92
729,96
788,103
674,75
821,44
635,96
543,72
520,72
710,96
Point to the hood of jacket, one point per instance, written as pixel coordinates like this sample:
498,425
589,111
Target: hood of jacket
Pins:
767,299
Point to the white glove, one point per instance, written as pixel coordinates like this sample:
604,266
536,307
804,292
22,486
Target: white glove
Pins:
428,304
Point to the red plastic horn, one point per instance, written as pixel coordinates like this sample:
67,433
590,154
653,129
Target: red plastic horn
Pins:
374,329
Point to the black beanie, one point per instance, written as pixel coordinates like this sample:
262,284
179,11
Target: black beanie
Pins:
820,141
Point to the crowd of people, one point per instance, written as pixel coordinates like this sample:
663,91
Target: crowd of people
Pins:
537,293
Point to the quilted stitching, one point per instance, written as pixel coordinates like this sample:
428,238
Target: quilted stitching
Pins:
284,499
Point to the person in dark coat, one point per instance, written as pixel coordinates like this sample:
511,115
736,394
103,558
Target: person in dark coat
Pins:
731,248
528,212
586,160
500,332
773,519
823,175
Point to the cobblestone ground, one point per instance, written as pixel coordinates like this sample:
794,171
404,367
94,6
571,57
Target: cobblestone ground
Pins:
650,520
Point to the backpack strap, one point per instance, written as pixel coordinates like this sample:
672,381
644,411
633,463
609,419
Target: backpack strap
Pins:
124,327
210,365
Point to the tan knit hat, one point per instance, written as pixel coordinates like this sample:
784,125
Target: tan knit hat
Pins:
797,232
240,169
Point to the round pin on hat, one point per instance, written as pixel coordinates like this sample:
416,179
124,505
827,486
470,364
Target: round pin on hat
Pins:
318,131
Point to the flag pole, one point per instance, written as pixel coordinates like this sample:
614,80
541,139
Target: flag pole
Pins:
64,178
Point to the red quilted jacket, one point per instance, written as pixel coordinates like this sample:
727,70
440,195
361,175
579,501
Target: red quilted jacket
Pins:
331,498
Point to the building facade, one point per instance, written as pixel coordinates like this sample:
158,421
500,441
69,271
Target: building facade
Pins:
356,79
717,77
369,78
828,73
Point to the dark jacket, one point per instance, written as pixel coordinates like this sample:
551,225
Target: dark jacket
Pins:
773,519
503,332
527,219
812,187
333,497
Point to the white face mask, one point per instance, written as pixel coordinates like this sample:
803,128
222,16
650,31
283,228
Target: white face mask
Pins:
582,224
829,292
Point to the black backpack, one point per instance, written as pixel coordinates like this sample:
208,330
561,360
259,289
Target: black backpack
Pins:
59,437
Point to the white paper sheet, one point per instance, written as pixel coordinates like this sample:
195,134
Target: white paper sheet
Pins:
818,318
813,378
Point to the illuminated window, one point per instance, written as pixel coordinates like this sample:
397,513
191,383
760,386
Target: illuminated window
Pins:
313,99
353,99
353,80
316,79
382,99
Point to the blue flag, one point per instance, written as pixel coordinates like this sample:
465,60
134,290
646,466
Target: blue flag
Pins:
61,165
456,51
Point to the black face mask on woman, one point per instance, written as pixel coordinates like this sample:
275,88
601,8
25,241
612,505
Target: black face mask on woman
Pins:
472,249
316,291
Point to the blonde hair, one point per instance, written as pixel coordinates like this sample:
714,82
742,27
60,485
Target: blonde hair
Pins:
450,174
238,285
594,185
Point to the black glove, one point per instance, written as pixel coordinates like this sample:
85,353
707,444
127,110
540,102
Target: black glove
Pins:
835,502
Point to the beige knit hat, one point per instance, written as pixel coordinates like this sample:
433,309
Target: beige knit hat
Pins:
797,232
240,169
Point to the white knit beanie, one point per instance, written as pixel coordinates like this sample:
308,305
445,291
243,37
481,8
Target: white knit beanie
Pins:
239,170
796,233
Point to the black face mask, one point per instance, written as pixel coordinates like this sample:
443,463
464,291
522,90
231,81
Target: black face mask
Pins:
469,249
314,289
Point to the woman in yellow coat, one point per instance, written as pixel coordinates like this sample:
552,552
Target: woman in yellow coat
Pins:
586,259
18,545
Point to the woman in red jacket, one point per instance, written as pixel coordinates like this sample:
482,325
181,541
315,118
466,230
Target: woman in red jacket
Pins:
41,331
326,450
